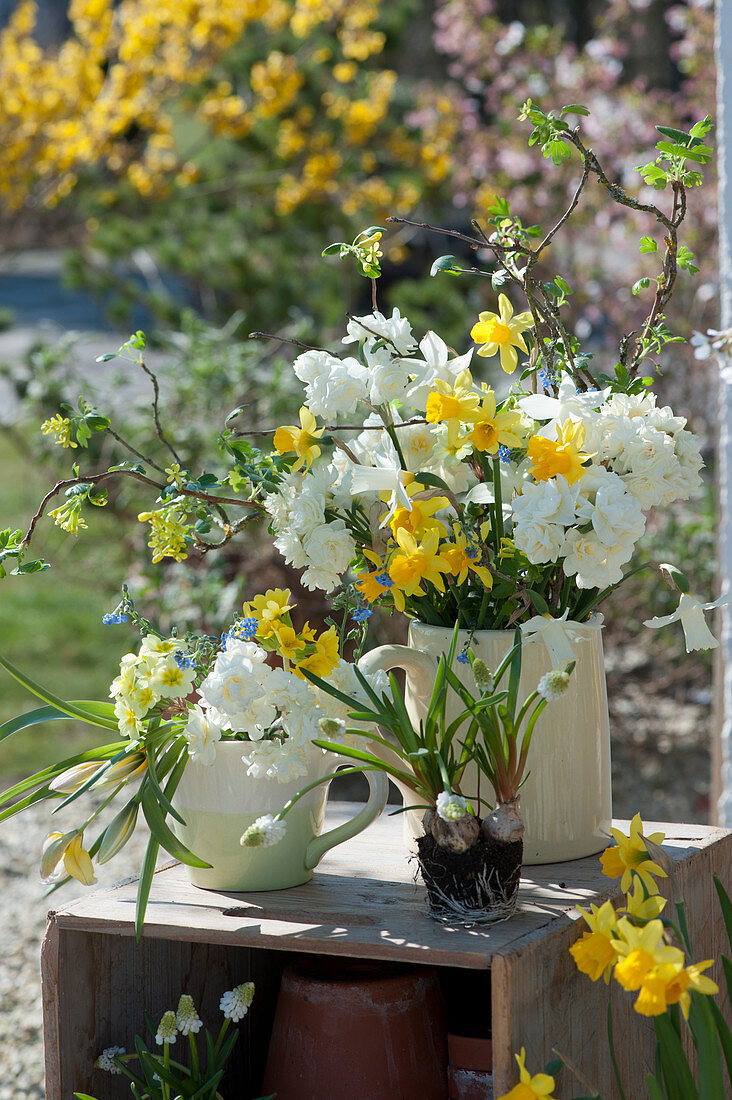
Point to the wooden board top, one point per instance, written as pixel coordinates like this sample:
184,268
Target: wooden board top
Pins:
363,901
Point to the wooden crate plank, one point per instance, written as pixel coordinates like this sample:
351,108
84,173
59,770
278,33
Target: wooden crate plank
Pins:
106,983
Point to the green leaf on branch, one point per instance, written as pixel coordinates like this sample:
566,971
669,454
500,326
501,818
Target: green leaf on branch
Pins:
446,264
647,244
640,285
574,109
557,149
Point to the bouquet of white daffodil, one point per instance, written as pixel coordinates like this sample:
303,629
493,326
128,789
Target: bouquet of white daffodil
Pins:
173,701
455,502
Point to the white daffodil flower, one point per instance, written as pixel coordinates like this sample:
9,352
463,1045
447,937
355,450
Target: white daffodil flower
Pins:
436,363
558,635
570,403
690,613
383,479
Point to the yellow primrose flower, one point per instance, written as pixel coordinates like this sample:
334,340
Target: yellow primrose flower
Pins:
495,429
463,557
66,847
415,562
60,427
268,609
501,333
288,643
301,440
641,951
562,455
538,1087
325,656
453,405
595,953
630,855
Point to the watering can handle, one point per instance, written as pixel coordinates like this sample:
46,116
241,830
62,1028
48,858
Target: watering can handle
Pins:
420,667
378,794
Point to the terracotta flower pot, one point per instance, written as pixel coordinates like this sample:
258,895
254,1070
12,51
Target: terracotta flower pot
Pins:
470,1069
366,1031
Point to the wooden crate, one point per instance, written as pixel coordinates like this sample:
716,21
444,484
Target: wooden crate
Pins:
363,902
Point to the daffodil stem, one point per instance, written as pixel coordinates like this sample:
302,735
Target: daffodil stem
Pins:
498,500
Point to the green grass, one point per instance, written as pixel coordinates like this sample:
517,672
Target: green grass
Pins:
50,622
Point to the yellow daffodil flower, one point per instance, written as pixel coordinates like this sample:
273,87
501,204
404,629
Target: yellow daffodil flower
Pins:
324,658
642,906
538,1087
495,429
453,405
642,950
595,953
631,855
690,978
66,847
562,455
415,562
373,584
463,557
421,516
269,609
301,440
501,333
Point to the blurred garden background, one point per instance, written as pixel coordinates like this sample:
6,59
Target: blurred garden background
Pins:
178,166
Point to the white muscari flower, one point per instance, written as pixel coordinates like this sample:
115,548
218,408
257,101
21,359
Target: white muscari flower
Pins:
202,734
483,676
263,833
332,728
451,807
235,1003
106,1062
186,1017
167,1029
553,685
281,761
690,613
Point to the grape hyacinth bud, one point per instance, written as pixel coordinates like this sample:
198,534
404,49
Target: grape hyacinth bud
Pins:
186,1016
553,685
263,833
106,1061
235,1003
167,1029
451,807
483,676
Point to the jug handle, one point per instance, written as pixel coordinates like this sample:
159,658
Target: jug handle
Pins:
420,667
378,793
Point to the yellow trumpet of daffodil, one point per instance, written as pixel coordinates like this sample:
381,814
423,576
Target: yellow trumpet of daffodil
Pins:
563,455
415,562
595,953
463,557
453,405
69,848
538,1087
642,950
289,644
494,429
501,333
301,440
631,855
